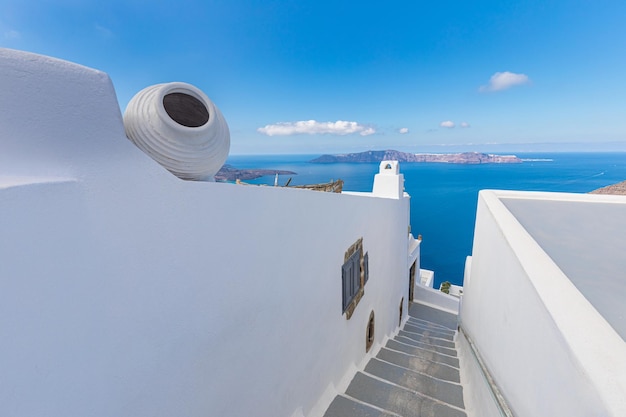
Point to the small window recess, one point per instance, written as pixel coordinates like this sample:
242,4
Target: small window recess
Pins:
370,332
354,275
401,311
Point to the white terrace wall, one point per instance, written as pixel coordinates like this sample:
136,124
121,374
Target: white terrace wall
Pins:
198,299
548,350
125,291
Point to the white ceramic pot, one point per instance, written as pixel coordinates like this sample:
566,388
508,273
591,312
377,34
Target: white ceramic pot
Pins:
178,126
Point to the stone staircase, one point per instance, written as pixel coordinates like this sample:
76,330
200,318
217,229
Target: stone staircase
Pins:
414,374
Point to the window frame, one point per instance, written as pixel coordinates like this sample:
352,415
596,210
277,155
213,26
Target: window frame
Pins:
354,275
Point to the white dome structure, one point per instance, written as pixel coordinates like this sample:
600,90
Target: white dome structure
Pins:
178,126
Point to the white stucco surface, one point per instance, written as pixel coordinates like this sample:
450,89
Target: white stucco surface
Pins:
548,349
414,251
125,291
60,119
427,277
478,398
586,237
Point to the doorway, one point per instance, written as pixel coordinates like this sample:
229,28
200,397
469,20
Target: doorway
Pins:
412,281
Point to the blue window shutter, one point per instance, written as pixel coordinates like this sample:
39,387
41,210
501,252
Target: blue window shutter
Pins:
356,276
350,279
344,292
356,273
345,284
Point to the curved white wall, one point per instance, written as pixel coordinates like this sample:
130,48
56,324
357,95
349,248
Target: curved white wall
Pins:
127,291
548,350
60,119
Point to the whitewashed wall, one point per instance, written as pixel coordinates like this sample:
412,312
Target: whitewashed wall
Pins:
125,291
478,397
548,350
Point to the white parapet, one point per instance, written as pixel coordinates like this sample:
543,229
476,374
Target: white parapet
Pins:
436,299
543,301
427,277
389,183
414,250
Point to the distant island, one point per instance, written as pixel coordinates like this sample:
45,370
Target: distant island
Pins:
450,158
230,173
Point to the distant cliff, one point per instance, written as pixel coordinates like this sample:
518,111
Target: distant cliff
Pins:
450,158
230,173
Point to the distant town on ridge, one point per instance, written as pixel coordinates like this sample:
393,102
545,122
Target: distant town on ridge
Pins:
450,158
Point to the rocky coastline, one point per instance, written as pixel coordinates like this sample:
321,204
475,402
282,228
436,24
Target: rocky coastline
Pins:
230,173
615,189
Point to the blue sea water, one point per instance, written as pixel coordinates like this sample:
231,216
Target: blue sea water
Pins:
444,196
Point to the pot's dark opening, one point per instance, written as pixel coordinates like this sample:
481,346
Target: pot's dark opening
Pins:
185,110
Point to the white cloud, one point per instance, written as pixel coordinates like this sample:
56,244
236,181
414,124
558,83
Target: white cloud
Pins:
12,34
448,123
503,80
103,31
464,124
404,130
313,127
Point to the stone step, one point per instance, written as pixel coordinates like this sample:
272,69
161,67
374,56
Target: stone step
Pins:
416,374
411,338
433,325
417,364
438,333
398,400
439,317
430,326
343,406
447,392
428,337
430,355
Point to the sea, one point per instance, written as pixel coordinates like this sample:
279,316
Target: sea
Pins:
444,196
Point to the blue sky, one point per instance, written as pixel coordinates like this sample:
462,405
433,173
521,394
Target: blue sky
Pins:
342,76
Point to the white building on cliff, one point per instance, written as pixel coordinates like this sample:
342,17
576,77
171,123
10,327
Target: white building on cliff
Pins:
127,291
